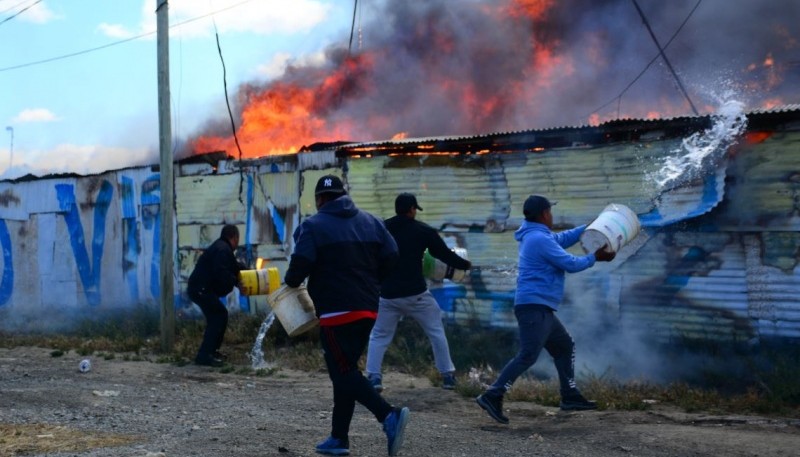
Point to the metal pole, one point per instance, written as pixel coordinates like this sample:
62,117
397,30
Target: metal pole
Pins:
166,249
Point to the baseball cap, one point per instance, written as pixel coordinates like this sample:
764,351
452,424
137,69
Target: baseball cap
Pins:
536,205
404,202
329,184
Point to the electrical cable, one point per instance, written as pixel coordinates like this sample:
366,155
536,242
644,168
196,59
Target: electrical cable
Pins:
352,26
664,56
14,6
618,98
230,115
86,51
20,12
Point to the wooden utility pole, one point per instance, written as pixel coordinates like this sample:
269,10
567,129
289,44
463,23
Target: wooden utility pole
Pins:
166,249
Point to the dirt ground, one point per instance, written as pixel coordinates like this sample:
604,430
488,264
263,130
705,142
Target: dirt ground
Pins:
139,408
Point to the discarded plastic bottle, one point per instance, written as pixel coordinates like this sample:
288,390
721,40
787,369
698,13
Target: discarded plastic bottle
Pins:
85,366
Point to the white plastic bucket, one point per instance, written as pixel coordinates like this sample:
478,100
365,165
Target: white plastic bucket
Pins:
616,226
436,270
294,308
260,282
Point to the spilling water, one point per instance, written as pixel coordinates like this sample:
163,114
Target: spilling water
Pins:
257,353
702,151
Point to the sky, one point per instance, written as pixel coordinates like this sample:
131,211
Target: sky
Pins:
99,110
79,77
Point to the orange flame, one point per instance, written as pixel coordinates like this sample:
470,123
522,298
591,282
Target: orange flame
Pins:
755,137
534,9
463,80
280,118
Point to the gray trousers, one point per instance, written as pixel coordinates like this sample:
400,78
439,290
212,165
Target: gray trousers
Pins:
423,309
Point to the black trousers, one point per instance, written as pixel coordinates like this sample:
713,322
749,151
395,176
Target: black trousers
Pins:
216,315
343,346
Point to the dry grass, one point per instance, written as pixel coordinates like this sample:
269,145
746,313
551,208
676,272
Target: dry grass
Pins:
27,439
770,387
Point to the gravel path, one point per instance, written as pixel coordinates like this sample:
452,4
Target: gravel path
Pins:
165,410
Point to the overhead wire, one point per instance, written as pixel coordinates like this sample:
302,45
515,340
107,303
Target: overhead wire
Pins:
618,98
125,40
20,12
230,113
352,26
664,56
14,6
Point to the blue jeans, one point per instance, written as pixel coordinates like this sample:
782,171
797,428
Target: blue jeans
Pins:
539,328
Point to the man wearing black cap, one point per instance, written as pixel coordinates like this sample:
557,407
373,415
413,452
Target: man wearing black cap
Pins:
405,293
543,261
345,253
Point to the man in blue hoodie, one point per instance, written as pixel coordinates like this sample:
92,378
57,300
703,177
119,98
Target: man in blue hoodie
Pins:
543,261
345,253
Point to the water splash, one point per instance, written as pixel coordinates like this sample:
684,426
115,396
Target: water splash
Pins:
502,270
701,151
257,354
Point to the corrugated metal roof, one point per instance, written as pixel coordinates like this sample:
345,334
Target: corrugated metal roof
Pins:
584,134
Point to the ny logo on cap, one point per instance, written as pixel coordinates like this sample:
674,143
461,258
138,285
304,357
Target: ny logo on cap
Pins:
328,182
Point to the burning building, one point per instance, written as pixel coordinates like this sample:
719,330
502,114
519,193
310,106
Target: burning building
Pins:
717,193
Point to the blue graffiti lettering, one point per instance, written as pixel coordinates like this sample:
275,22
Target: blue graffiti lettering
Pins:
89,271
7,285
151,218
130,257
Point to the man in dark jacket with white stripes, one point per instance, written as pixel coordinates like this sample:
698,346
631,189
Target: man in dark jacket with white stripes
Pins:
345,253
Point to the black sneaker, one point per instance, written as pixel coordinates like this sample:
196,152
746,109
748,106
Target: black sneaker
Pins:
448,381
576,402
208,361
493,406
221,356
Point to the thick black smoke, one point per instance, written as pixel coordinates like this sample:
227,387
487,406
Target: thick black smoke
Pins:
439,67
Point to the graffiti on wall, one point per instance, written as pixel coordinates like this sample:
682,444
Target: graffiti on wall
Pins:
7,284
88,268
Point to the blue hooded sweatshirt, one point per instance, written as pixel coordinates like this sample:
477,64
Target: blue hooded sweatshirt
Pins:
543,261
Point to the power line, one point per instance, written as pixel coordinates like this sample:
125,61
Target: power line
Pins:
230,113
352,26
19,12
86,51
618,98
664,56
14,6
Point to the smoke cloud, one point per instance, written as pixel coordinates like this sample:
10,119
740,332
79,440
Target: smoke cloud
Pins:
433,67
